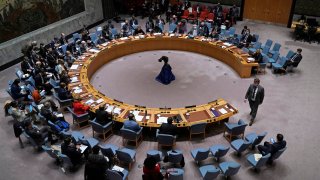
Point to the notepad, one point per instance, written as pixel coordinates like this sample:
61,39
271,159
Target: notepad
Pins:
110,109
162,120
136,113
251,59
257,157
138,118
147,117
99,101
75,66
90,101
117,110
117,168
223,111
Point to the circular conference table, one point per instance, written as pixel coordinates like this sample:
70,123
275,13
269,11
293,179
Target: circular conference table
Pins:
85,66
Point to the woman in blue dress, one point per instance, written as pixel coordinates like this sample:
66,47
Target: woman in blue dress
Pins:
166,75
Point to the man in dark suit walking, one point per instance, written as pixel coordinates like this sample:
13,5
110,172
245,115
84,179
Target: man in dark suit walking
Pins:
255,95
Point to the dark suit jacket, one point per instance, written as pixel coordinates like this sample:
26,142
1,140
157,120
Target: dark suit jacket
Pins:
277,146
64,94
16,91
296,60
103,117
96,167
166,128
259,96
72,153
258,57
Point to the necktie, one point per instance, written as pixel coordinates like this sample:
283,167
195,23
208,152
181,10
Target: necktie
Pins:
294,57
254,93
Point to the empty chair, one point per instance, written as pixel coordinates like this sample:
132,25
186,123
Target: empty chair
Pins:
289,54
175,156
99,31
219,151
20,74
130,135
274,58
94,38
155,154
232,31
165,139
276,155
101,129
172,27
31,81
64,48
198,128
229,168
114,33
126,156
255,138
175,174
268,43
200,154
109,150
279,64
240,145
209,172
81,120
114,175
185,14
257,45
76,36
76,136
234,129
258,162
276,48
265,50
90,142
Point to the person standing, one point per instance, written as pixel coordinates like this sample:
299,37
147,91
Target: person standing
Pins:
255,96
166,75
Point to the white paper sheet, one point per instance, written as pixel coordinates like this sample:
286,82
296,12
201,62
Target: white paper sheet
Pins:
117,168
257,157
223,111
75,66
83,148
162,120
99,101
74,79
138,118
136,113
90,101
105,44
94,50
77,91
251,59
110,109
117,110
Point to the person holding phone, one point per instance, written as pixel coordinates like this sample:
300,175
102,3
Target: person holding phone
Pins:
272,147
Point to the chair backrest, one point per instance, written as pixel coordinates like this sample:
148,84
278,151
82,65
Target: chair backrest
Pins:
269,42
53,83
93,37
257,45
198,128
289,54
123,156
256,36
128,133
76,36
113,175
275,56
259,138
244,49
31,81
19,73
107,152
276,47
265,49
232,169
172,26
232,31
282,60
263,160
278,153
222,151
185,13
210,16
202,154
175,157
166,139
212,174
64,48
31,88
49,151
96,126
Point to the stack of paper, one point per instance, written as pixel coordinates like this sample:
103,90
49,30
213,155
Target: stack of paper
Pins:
117,110
251,59
99,101
74,67
257,157
74,79
156,34
162,120
90,101
227,44
124,38
136,113
223,111
94,50
110,109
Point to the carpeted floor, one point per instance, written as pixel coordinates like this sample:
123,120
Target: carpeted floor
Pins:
291,107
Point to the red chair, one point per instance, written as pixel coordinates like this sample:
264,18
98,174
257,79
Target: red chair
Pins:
193,16
185,14
210,17
203,16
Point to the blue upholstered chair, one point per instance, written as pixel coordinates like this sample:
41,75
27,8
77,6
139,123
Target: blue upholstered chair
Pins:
109,150
114,175
76,36
232,31
234,129
265,50
279,64
274,58
219,151
244,49
176,174
174,156
155,153
209,172
229,168
63,48
94,37
172,27
289,54
76,136
200,154
255,138
63,103
31,81
257,39
126,156
114,33
165,139
256,45
99,129
130,135
90,142
54,84
276,155
240,145
198,128
81,120
268,43
258,163
276,48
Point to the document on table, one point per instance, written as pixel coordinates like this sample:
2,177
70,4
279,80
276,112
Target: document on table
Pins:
94,50
257,157
73,67
40,106
227,44
162,120
117,110
223,111
117,168
74,79
99,101
110,109
251,59
77,91
136,113
105,44
138,118
83,148
124,38
90,101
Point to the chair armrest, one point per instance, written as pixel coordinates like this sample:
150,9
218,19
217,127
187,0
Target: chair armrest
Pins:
139,132
110,123
81,115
